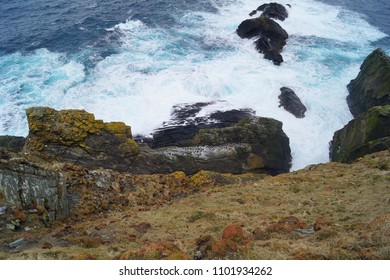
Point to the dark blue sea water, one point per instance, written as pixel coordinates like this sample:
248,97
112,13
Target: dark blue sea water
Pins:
132,60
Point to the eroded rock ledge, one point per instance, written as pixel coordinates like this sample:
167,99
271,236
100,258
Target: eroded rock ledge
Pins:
232,141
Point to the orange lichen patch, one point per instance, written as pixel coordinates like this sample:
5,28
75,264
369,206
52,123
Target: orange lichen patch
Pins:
223,249
235,234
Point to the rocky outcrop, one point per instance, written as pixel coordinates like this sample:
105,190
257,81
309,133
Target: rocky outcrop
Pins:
75,136
271,36
370,130
186,121
229,141
291,102
272,10
368,133
27,186
372,85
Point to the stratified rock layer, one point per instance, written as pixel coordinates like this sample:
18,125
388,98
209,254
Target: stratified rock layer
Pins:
372,85
75,136
368,133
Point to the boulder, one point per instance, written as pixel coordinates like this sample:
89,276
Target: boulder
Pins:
291,102
272,37
368,133
272,10
372,85
75,136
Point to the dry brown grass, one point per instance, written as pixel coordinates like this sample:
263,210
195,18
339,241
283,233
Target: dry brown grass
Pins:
353,199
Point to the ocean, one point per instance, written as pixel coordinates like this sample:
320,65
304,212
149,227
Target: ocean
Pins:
131,61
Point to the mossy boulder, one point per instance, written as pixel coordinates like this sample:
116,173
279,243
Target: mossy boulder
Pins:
76,136
366,134
372,85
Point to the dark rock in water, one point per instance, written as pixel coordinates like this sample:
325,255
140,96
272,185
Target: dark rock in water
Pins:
274,56
372,85
272,10
368,133
291,102
272,36
13,143
185,123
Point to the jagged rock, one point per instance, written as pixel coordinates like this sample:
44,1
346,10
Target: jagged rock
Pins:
253,144
272,37
291,102
12,143
75,136
372,85
368,133
25,184
185,123
272,10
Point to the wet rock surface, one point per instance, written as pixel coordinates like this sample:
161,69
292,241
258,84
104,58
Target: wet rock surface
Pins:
291,102
271,37
372,85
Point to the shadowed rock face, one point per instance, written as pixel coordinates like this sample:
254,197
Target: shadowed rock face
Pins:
291,102
372,85
366,134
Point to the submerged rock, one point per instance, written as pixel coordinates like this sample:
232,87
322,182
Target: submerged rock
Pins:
291,102
368,133
372,85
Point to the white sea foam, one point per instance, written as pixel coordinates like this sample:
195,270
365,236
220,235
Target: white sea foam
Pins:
202,59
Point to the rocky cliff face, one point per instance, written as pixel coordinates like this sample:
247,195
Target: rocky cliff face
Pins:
372,85
27,186
238,143
366,134
370,130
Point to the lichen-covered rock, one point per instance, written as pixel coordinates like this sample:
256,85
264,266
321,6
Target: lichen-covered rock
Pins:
75,136
372,85
368,133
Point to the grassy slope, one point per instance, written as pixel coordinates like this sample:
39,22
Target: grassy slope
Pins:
353,199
